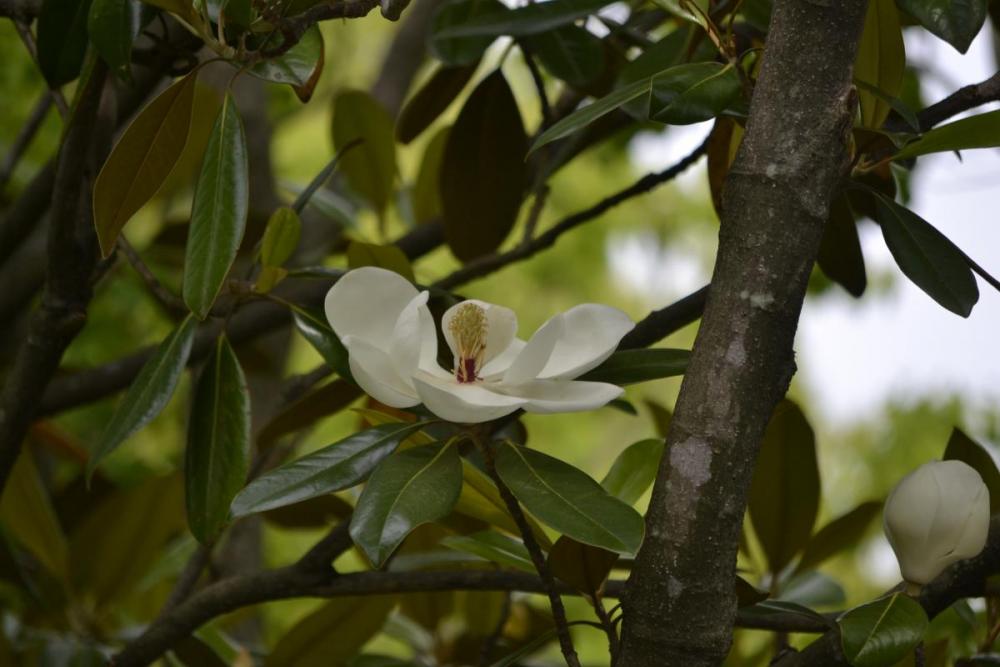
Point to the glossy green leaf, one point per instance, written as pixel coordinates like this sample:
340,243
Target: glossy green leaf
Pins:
813,589
681,94
785,491
747,594
483,172
582,566
927,257
407,489
527,20
217,458
333,634
316,330
383,256
494,547
114,546
634,470
299,67
142,159
631,366
882,632
955,21
963,448
693,93
370,168
881,61
339,466
568,500
670,50
840,534
461,50
62,39
433,98
426,196
570,53
27,515
840,255
218,213
281,237
149,392
979,131
763,611
113,25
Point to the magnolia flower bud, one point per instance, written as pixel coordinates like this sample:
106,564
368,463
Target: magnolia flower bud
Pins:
937,515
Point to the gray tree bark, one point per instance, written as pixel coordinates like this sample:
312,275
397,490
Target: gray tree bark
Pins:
680,604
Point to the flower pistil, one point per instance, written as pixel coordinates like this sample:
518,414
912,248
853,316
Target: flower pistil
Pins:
469,328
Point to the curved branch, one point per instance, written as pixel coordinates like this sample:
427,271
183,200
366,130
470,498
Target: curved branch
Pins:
963,99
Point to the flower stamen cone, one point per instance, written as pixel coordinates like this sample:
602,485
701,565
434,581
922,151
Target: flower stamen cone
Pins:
469,329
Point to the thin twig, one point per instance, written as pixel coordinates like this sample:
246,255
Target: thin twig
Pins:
170,302
537,206
963,99
609,628
24,137
537,557
491,263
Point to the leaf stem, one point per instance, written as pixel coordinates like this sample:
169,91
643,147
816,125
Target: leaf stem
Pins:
537,557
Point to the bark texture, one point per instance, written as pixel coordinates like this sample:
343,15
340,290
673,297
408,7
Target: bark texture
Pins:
680,605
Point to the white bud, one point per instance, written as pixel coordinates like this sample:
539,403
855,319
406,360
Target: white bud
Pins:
937,515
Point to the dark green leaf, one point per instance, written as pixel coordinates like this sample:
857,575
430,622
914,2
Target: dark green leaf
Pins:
483,172
784,494
979,131
582,566
149,392
219,211
882,632
528,20
407,489
333,468
316,330
693,93
928,258
813,589
112,25
383,256
747,594
461,50
840,255
768,609
634,470
631,366
281,237
370,168
299,66
217,458
568,500
333,634
842,533
493,546
963,448
62,39
881,61
427,190
955,21
428,103
570,53
142,159
654,59
27,516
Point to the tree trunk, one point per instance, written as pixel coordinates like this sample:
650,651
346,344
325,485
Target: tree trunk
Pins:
680,603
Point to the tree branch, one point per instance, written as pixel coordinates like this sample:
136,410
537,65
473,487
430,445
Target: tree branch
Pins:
292,29
484,266
72,258
963,99
680,607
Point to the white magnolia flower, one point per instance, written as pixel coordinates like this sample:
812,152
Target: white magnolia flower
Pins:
937,515
390,337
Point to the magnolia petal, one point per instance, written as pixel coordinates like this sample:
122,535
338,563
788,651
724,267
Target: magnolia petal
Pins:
375,372
414,340
497,366
501,325
591,332
366,303
535,355
548,396
461,403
